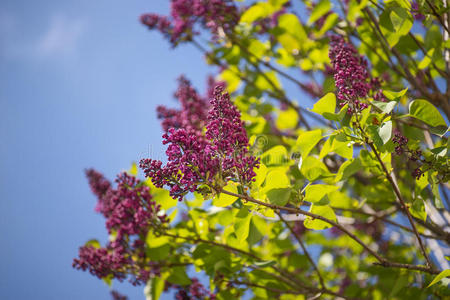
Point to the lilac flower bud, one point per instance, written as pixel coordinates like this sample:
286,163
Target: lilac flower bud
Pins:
350,73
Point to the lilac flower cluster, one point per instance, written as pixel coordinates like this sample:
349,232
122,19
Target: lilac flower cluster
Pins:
129,213
400,141
197,159
350,73
196,291
401,147
118,296
377,92
194,107
213,15
415,11
193,112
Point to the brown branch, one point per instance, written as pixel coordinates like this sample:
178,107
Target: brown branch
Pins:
302,245
437,15
199,240
384,219
287,277
437,98
273,290
402,202
309,214
382,261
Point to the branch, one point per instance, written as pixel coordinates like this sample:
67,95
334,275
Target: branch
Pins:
402,202
199,240
297,237
384,219
437,15
286,276
381,261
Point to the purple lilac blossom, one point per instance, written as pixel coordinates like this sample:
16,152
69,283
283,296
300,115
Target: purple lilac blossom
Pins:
416,12
350,73
214,15
118,296
193,112
130,212
196,291
400,142
196,158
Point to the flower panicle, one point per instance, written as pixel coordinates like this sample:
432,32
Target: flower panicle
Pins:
197,158
130,213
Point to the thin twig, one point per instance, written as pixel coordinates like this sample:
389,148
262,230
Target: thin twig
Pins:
402,202
302,245
381,261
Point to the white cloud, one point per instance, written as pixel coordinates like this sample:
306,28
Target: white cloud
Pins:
62,36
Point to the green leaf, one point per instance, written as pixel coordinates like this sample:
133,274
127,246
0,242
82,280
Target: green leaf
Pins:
395,22
154,241
155,287
417,209
294,36
326,104
264,264
306,141
108,279
374,135
274,156
426,112
231,77
319,10
260,177
329,23
337,145
399,284
312,168
426,61
133,169
94,243
437,197
443,274
348,168
324,211
315,193
337,116
394,96
355,8
224,200
254,235
439,151
279,196
276,179
385,131
255,12
440,130
267,82
242,224
385,107
433,37
178,276
287,119
163,198
159,253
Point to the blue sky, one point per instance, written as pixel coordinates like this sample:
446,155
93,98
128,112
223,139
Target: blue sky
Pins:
79,83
